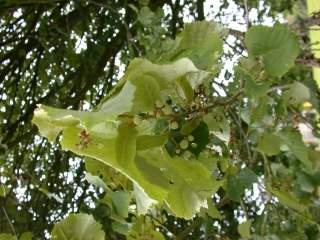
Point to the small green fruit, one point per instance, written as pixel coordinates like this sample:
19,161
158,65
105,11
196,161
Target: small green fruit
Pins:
184,144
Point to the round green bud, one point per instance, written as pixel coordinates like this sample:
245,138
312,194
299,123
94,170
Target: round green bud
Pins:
187,154
194,145
190,138
167,110
184,144
174,125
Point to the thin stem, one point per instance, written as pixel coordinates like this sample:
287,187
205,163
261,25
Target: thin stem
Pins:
246,13
227,102
245,210
242,133
9,221
273,89
202,109
267,170
160,224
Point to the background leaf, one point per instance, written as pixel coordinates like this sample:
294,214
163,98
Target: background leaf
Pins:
78,226
277,46
244,229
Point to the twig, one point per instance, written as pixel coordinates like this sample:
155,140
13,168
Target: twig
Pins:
245,210
245,138
9,221
227,102
273,89
236,33
309,62
246,13
160,224
267,169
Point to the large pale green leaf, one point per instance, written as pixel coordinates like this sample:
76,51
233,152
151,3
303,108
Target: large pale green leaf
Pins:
146,94
151,141
191,185
143,202
125,144
143,83
78,227
51,121
165,74
188,183
107,174
277,46
110,135
200,42
183,185
120,103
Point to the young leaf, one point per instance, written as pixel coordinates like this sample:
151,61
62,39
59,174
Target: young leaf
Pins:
200,42
269,144
244,229
238,183
255,90
213,212
78,226
295,144
3,190
96,181
26,236
7,236
120,202
289,201
142,229
218,125
297,93
277,46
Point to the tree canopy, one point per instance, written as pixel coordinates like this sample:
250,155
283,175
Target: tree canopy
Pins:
164,119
